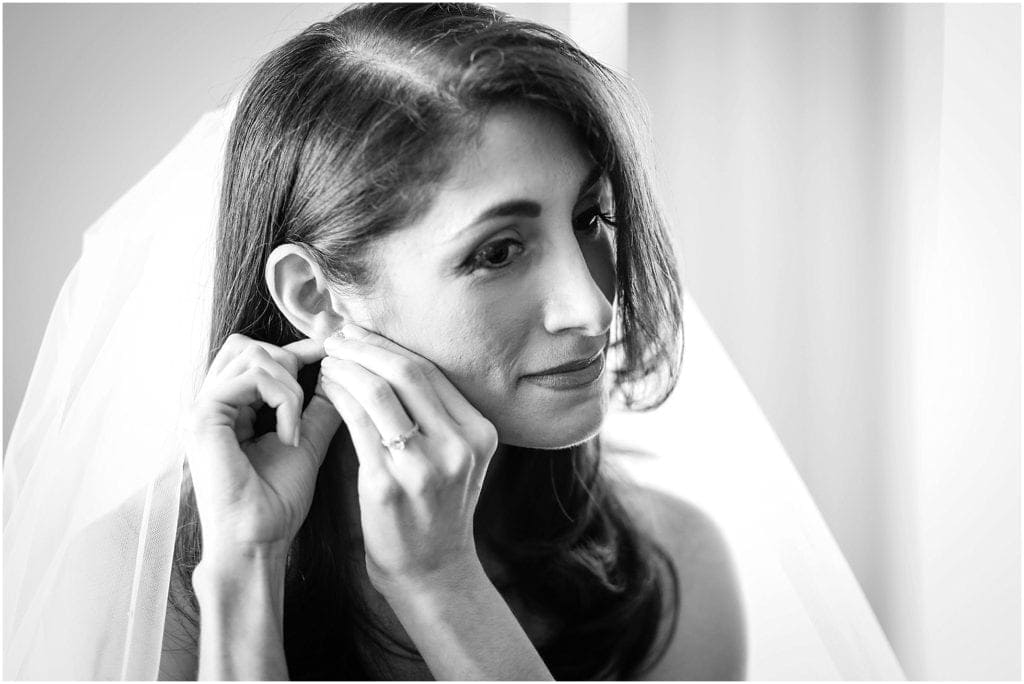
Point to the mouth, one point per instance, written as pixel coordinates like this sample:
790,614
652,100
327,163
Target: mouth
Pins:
574,365
575,375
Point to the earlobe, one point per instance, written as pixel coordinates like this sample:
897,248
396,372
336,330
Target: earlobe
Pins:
302,293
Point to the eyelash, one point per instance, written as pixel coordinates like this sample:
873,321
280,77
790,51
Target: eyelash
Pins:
478,260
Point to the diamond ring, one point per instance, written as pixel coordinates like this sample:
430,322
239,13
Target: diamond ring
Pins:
398,443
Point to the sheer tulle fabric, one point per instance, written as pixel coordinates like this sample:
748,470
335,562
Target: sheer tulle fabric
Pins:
93,467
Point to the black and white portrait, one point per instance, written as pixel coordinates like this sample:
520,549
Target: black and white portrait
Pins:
512,341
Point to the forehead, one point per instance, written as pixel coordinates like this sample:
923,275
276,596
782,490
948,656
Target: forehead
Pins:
517,140
520,152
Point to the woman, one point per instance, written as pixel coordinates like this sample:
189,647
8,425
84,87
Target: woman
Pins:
464,198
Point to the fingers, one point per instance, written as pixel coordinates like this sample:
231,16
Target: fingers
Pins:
262,383
450,397
215,446
442,445
291,356
381,407
307,351
241,355
365,436
420,385
407,377
245,375
288,416
373,393
320,421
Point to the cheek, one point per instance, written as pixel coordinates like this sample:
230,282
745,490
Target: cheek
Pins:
476,338
487,359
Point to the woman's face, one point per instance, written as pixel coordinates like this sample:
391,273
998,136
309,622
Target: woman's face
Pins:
508,275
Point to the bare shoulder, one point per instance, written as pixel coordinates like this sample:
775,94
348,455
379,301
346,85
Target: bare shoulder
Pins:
710,638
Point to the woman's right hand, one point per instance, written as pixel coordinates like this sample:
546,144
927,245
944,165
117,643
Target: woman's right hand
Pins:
253,494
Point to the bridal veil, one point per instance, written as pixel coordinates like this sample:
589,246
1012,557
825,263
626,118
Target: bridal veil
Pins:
94,463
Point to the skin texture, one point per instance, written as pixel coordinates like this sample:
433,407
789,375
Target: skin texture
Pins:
550,304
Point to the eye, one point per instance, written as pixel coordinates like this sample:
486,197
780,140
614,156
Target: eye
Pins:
495,255
590,221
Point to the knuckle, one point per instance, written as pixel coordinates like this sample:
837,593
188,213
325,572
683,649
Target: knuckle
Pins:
234,342
429,371
485,437
463,451
459,456
291,363
255,374
254,352
409,371
459,467
379,390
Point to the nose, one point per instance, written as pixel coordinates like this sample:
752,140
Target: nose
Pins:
579,291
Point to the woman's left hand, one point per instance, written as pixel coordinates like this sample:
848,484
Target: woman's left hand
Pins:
417,502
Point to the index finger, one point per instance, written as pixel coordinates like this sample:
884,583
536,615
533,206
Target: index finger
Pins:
306,350
454,401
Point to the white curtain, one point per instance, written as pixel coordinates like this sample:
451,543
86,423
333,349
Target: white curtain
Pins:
845,184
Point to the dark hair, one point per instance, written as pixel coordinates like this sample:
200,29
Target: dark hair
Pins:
339,137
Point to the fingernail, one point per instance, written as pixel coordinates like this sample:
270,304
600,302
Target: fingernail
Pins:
354,331
295,439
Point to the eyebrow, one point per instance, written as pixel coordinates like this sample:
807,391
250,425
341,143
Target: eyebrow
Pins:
528,208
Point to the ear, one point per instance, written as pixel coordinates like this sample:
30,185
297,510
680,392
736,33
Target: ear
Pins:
303,294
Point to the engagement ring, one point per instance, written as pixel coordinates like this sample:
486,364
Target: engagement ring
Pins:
398,443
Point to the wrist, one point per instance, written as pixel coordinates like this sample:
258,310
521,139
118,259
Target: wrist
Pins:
427,596
454,579
465,630
219,552
237,574
241,606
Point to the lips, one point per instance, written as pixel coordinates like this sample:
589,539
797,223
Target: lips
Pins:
574,365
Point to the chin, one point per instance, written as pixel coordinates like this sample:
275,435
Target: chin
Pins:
551,430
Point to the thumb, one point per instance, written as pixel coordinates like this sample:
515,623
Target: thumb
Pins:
320,421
